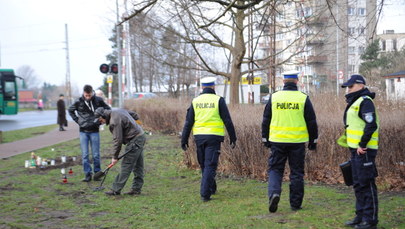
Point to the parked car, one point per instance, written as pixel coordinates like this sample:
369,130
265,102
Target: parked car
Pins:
265,99
144,95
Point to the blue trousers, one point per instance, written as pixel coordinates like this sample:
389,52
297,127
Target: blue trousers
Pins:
92,139
364,173
208,156
295,153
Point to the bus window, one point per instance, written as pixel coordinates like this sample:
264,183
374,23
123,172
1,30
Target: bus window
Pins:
9,90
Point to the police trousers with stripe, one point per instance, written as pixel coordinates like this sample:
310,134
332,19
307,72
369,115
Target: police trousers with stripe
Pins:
364,174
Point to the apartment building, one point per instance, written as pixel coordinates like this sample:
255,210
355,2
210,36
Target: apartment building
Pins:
391,41
324,42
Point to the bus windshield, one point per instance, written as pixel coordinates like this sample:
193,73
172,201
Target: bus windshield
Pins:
9,90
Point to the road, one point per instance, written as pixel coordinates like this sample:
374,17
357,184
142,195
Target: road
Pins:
29,119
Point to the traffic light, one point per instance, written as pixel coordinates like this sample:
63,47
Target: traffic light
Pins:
104,68
114,68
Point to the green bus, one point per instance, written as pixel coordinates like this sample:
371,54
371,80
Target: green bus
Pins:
8,92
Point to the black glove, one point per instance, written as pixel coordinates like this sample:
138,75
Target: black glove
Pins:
267,144
184,146
311,146
233,144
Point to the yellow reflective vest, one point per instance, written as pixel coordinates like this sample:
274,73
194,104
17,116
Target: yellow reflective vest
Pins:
287,121
206,115
355,126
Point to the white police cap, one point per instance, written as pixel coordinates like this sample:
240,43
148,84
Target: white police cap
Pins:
208,81
291,74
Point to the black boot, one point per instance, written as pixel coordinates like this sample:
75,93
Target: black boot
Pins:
365,225
87,178
353,222
61,128
273,202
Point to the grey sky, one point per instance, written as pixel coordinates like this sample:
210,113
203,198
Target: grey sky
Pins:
32,32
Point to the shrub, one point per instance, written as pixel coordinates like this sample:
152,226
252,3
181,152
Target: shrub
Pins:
249,158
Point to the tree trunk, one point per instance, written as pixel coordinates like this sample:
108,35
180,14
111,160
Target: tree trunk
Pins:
237,56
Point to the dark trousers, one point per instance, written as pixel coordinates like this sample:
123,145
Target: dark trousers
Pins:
208,156
131,162
295,153
364,173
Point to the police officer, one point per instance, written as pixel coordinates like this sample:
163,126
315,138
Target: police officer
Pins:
362,124
207,116
288,122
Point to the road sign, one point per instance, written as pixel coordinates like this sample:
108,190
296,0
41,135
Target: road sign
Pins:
109,79
340,74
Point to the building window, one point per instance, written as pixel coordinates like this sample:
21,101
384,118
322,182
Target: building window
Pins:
394,44
361,30
361,11
280,16
300,13
352,49
279,36
384,45
392,86
351,30
307,11
351,11
361,50
352,67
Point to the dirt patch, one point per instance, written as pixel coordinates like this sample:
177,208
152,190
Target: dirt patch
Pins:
58,165
7,188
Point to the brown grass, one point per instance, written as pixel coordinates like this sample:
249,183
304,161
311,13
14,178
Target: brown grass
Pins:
249,158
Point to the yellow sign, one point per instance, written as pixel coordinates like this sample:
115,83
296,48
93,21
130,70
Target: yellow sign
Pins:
109,79
256,80
10,104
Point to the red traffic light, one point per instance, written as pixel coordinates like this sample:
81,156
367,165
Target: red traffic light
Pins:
114,68
104,68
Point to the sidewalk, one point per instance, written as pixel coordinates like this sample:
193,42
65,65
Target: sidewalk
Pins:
30,144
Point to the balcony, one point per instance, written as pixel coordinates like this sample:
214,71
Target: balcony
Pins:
315,39
317,59
317,21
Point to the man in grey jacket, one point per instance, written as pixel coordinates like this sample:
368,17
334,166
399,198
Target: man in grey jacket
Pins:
125,131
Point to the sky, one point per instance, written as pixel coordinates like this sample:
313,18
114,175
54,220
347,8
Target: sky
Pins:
32,32
393,16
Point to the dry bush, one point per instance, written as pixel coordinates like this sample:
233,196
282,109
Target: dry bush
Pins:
249,158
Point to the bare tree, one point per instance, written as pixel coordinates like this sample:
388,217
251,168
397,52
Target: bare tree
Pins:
31,79
225,26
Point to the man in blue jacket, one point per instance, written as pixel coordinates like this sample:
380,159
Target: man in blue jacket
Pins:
208,116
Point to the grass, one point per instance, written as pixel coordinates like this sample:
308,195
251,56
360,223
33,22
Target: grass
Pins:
15,135
32,198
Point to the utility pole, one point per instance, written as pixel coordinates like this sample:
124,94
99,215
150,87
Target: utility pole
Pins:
337,50
120,104
67,86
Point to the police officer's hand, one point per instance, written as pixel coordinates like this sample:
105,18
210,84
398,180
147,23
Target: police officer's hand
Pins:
267,144
312,146
233,144
184,146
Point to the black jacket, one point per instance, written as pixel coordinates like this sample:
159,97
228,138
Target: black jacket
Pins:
85,115
225,116
309,116
366,108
